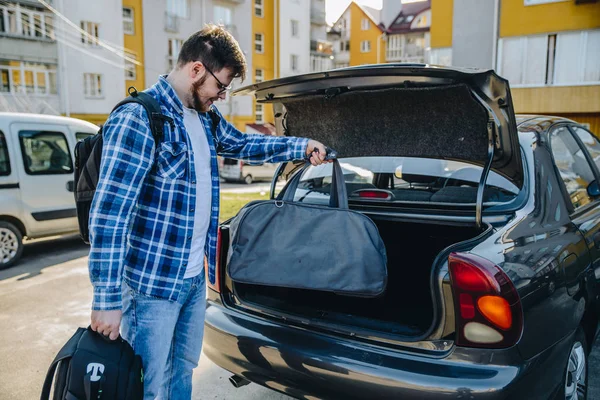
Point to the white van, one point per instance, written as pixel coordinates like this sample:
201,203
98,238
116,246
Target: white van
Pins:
36,178
239,171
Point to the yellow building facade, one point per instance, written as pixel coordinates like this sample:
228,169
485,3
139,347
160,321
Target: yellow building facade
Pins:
366,38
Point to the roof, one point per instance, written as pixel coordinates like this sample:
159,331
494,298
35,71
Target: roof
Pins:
55,119
402,23
265,129
374,19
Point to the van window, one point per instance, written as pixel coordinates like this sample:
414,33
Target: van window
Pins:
4,160
45,153
82,135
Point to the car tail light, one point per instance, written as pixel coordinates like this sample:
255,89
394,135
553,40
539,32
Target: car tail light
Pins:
488,307
372,194
217,285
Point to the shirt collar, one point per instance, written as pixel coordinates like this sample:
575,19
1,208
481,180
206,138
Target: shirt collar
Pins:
167,92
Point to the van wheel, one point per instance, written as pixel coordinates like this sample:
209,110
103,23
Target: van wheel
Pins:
248,179
575,382
11,244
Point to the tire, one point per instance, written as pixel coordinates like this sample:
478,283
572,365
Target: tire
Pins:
574,385
248,179
11,244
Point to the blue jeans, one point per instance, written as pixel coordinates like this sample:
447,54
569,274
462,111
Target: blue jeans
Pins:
168,337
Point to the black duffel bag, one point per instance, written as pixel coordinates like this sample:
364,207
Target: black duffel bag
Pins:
306,246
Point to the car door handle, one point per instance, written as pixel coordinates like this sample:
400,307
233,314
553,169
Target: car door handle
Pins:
71,186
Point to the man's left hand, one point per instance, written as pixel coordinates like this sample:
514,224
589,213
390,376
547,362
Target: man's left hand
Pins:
316,152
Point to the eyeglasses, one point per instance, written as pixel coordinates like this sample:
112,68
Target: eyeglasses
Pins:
222,88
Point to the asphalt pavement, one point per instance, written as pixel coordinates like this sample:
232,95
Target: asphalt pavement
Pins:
48,295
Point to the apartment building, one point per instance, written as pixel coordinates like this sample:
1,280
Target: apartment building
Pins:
358,37
407,37
549,50
29,74
321,50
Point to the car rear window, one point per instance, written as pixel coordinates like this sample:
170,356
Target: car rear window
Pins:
4,160
408,180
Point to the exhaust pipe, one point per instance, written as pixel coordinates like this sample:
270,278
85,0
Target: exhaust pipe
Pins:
237,381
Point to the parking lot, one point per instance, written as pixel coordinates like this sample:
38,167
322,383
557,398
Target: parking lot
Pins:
48,295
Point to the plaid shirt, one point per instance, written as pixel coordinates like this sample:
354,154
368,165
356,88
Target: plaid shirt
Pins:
142,215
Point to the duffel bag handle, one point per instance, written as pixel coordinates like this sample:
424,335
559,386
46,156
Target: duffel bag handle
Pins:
338,197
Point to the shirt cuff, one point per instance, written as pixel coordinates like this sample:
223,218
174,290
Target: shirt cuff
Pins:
107,298
299,148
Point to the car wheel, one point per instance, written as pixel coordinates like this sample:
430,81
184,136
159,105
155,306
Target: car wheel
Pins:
11,244
248,179
575,382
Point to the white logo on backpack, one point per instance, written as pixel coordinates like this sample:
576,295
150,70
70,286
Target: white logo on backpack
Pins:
97,370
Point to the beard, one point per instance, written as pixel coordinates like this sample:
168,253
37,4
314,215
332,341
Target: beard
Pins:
197,102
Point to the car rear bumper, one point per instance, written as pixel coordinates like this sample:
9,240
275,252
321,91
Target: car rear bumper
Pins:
306,364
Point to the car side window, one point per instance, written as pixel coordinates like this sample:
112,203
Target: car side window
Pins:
82,135
590,143
45,153
574,168
4,160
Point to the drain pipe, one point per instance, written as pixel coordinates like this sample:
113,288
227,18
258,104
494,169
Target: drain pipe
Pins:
237,381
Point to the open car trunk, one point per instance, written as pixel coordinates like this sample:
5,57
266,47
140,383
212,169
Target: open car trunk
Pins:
406,309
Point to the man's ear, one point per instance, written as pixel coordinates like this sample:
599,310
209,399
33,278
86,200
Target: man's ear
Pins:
197,69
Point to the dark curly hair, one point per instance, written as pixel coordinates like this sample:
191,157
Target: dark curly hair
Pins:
216,48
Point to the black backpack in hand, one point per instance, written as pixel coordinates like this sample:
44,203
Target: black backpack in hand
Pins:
91,366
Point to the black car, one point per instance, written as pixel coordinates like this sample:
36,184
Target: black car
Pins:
491,224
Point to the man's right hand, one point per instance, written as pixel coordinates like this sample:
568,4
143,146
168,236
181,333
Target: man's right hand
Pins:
107,323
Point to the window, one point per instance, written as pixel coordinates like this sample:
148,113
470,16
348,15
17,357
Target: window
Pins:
92,85
128,26
45,153
365,24
590,143
568,58
574,169
178,8
259,75
25,77
294,62
259,112
4,160
258,8
130,72
82,135
91,34
173,52
259,42
223,15
295,28
365,46
21,20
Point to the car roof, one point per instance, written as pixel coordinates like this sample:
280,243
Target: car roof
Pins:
539,123
55,119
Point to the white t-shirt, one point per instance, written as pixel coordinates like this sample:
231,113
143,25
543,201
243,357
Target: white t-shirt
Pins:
199,142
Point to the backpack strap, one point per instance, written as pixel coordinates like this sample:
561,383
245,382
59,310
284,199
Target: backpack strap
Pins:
66,352
157,118
214,117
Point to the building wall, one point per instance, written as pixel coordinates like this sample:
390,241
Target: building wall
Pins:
357,35
517,19
473,28
442,12
80,58
299,45
265,60
135,44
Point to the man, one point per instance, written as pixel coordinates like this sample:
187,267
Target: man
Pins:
155,213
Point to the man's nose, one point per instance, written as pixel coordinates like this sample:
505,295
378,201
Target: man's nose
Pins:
222,95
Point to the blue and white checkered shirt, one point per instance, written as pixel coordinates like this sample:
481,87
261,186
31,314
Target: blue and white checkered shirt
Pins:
142,215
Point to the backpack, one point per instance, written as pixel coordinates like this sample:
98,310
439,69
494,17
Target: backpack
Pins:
88,155
91,366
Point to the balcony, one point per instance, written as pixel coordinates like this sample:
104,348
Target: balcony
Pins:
171,23
405,48
317,17
321,47
234,2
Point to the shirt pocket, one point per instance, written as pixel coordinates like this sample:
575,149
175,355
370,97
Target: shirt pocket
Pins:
172,160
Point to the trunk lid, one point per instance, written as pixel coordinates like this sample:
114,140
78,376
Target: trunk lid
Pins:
401,110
